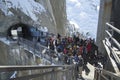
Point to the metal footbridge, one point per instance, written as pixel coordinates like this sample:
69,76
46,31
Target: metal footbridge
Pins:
61,71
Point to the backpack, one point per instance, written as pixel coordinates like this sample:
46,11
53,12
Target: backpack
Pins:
84,50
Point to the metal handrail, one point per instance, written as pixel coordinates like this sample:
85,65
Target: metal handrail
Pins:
113,39
38,49
26,67
101,73
114,28
117,59
30,43
111,36
69,72
30,46
104,74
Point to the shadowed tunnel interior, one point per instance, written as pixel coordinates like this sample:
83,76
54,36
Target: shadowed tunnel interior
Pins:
19,30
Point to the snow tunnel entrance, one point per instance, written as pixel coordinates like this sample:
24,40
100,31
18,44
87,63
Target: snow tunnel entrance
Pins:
19,30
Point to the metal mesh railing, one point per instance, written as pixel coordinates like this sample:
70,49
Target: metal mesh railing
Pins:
65,72
37,49
30,72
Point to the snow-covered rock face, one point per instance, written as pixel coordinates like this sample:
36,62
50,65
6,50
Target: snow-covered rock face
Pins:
31,12
29,7
85,14
38,13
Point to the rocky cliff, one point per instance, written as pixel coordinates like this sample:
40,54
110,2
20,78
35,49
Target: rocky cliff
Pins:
38,13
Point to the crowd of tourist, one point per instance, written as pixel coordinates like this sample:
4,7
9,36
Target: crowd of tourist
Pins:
74,50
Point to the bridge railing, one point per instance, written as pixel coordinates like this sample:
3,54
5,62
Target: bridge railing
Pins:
32,72
101,74
40,50
111,34
113,45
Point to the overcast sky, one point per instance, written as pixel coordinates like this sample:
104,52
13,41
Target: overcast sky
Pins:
85,14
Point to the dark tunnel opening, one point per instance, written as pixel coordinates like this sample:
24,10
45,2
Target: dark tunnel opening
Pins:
19,30
28,32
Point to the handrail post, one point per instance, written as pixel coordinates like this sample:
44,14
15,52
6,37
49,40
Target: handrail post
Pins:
100,74
111,78
76,72
50,55
52,75
95,74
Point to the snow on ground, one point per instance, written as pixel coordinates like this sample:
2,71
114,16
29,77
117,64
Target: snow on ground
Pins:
4,8
90,76
29,7
5,41
76,25
14,75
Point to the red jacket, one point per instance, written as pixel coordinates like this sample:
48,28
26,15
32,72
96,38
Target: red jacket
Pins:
89,47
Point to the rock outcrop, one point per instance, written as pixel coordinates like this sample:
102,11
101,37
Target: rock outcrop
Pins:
38,13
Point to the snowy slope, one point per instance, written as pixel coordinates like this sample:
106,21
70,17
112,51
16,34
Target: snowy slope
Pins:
29,7
85,14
